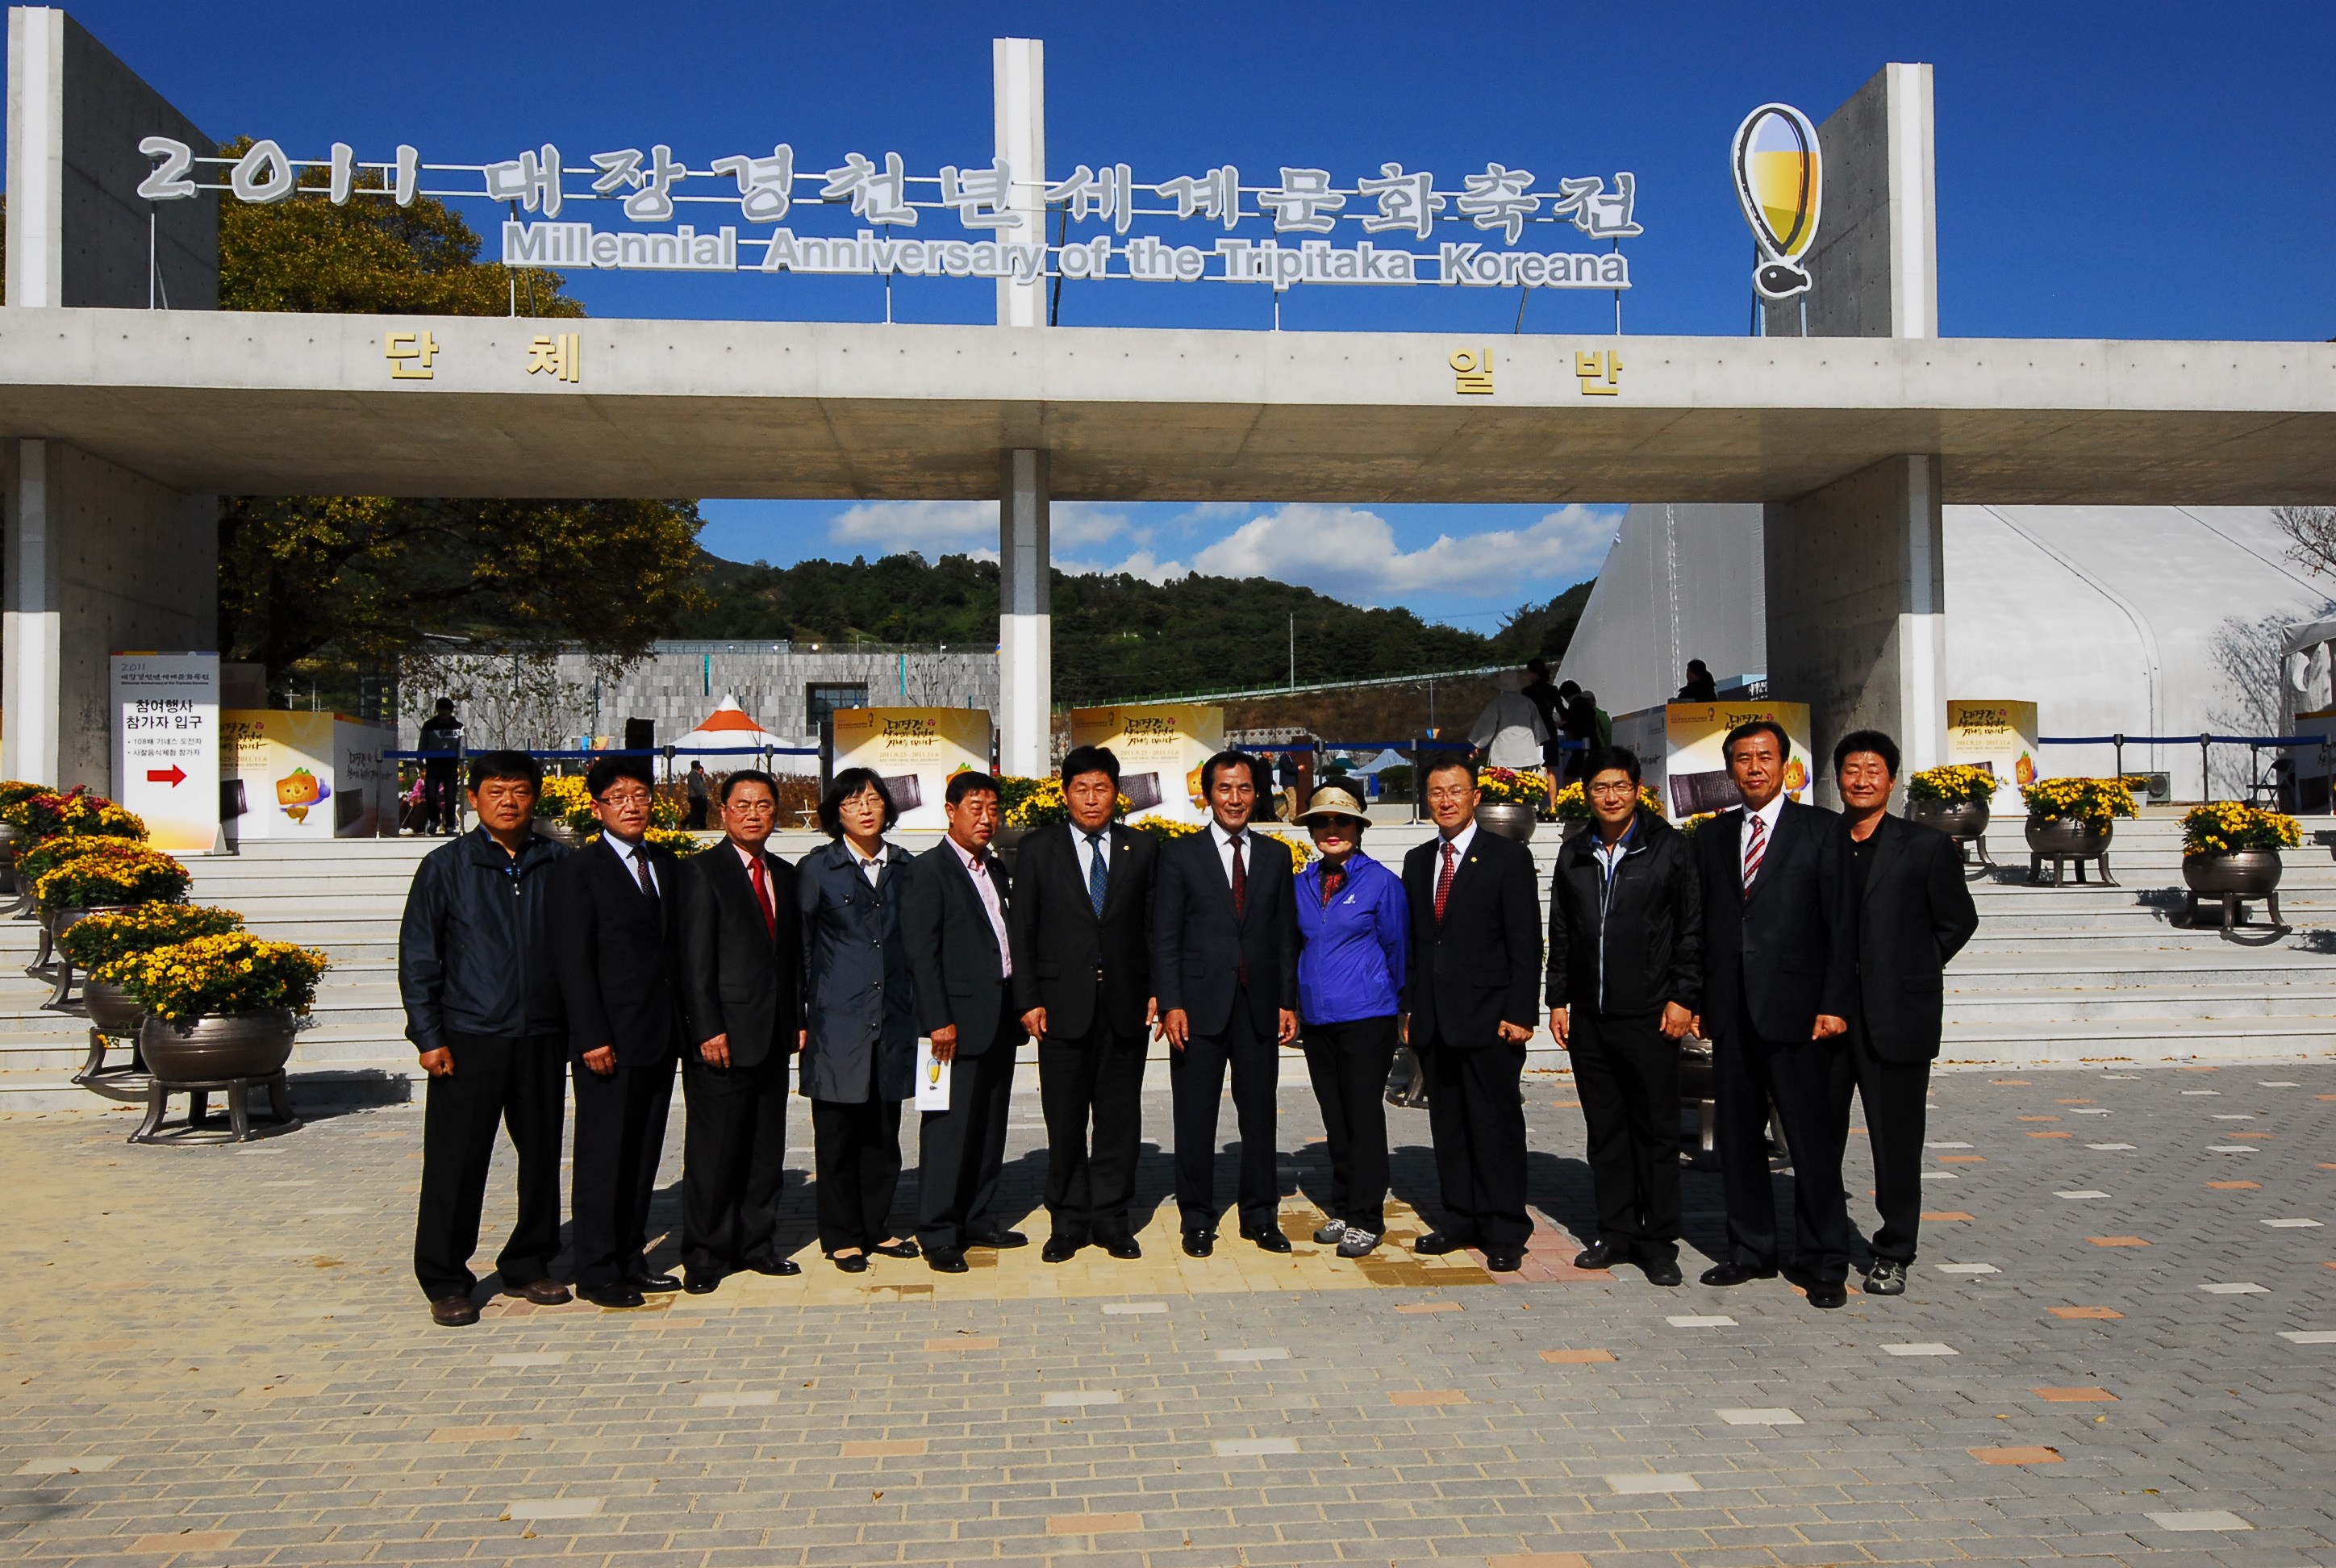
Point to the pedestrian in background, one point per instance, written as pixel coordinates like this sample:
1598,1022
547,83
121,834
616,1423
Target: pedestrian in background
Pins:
1509,732
1353,933
442,741
700,786
1625,978
860,1045
482,1008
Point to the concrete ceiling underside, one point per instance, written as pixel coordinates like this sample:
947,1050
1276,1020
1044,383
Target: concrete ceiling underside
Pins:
304,404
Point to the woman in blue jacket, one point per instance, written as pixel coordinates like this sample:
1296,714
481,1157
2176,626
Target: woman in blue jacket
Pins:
1353,926
860,1034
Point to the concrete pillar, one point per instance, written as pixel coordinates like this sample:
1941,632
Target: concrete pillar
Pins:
1857,611
1876,263
1024,619
100,560
1019,77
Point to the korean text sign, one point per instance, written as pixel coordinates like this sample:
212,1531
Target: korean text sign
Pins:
166,747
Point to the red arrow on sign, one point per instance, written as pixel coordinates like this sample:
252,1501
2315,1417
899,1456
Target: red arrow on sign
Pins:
172,776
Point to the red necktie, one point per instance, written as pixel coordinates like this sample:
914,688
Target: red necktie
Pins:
1241,880
1444,882
763,900
1755,850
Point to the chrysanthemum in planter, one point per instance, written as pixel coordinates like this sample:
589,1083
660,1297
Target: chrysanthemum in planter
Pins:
1573,802
2095,800
2223,826
1955,784
116,874
232,972
1506,786
92,943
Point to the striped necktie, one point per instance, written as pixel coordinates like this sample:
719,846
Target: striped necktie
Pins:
1754,849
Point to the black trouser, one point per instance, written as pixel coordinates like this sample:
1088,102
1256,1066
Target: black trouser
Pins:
1807,1081
1478,1121
515,1082
1098,1075
619,1135
1895,1111
438,796
1196,1077
1349,1064
1626,1070
962,1150
856,1144
734,1156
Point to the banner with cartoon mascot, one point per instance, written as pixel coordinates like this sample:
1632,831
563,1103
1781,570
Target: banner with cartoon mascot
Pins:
914,750
1997,736
1160,747
300,776
1692,776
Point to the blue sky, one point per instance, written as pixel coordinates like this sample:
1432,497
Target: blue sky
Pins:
2144,170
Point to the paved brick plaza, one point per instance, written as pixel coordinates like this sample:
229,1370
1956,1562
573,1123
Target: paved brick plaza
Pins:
218,1356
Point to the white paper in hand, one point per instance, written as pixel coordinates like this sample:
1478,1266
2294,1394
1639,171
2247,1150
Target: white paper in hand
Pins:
932,1079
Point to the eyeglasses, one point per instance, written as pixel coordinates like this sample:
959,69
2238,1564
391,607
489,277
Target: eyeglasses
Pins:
1614,791
625,798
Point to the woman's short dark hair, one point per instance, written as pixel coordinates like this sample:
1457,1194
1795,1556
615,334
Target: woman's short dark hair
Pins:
746,775
1259,779
846,784
1606,758
1099,759
1873,740
510,764
969,783
606,770
1755,726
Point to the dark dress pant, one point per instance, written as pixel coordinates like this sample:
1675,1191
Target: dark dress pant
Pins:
856,1144
515,1083
960,1152
1896,1111
1808,1082
1477,1119
1349,1064
733,1157
1196,1078
1626,1070
619,1137
1096,1078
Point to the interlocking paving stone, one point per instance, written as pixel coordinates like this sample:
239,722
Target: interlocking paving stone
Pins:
882,1434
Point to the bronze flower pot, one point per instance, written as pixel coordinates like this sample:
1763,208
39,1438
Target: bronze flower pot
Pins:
1956,819
1507,818
2069,838
217,1047
2232,873
111,1009
557,831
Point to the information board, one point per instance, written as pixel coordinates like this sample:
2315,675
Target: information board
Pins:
166,754
1996,735
914,750
1160,747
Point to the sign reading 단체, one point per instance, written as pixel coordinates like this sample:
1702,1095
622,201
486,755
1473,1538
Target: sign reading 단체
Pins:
166,765
914,750
1160,747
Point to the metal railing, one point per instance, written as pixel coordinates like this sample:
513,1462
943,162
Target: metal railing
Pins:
2255,744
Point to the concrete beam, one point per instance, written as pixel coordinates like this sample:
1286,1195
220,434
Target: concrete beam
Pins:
306,404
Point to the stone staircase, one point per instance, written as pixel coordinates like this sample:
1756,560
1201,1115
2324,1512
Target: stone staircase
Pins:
2056,975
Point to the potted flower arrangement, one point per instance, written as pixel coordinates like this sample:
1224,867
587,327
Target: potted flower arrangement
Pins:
72,877
218,1007
14,793
108,935
1509,799
1956,799
2231,849
31,816
2073,818
563,812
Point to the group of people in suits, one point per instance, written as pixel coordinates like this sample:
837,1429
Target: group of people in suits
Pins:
1806,943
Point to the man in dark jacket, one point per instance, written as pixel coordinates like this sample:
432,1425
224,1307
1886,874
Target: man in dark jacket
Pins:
623,1028
1780,977
474,971
1914,912
1625,978
1225,961
1468,1010
953,923
1081,926
738,955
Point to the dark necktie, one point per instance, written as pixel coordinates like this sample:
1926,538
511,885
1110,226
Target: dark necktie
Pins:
1444,882
1241,880
1098,875
763,900
641,869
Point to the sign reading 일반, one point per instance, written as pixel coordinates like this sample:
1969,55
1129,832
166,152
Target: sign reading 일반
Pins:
996,213
166,765
914,750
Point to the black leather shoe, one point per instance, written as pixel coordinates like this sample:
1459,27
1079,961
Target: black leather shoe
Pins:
1124,1248
617,1297
699,1284
1828,1296
1662,1274
1001,1239
453,1311
1270,1241
1736,1274
946,1261
1504,1260
782,1267
1435,1243
1059,1249
1200,1243
656,1284
899,1250
1598,1255
849,1262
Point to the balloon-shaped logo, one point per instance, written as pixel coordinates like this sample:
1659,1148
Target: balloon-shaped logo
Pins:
1781,185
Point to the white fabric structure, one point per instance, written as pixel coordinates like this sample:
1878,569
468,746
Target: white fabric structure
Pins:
1681,583
729,726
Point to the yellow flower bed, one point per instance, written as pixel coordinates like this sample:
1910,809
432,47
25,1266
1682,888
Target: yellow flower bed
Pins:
235,972
2094,799
1957,783
1512,786
2225,825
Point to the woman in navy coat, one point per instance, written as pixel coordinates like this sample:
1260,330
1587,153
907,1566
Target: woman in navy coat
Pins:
860,1044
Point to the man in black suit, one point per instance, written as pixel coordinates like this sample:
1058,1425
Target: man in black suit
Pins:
953,924
1469,1005
624,1028
1224,963
1914,912
1780,939
739,961
1081,924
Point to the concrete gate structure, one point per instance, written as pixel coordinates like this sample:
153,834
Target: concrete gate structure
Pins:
118,423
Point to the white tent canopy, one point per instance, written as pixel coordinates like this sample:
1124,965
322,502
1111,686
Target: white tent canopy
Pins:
731,728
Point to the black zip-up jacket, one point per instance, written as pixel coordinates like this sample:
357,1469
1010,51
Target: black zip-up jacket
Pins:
1626,949
474,950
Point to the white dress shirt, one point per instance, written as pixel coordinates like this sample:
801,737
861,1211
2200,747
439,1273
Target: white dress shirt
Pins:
1225,849
1768,815
632,854
1459,842
978,869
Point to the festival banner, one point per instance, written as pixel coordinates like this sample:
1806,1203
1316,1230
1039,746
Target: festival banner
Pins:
166,747
1160,747
1997,736
1694,773
301,775
914,750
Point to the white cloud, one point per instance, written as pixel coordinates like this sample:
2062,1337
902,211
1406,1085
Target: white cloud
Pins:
1143,563
934,529
1352,554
